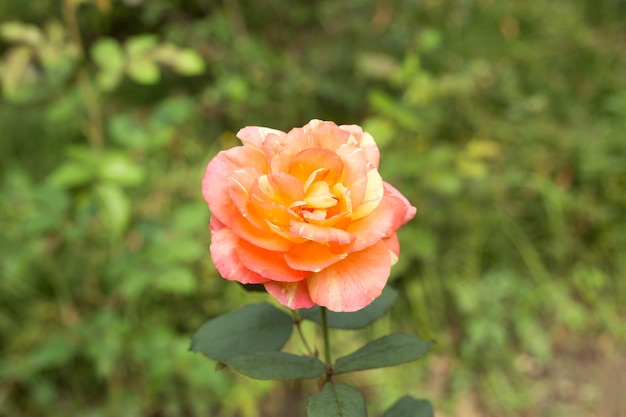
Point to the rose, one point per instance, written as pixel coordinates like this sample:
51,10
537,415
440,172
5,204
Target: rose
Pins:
305,213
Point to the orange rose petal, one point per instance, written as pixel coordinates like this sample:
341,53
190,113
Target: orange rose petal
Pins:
391,213
255,135
299,139
223,252
239,184
394,247
327,134
250,233
268,264
318,196
270,199
374,227
215,182
353,283
325,164
280,150
320,233
365,141
291,294
286,234
374,192
312,256
339,221
341,214
278,187
354,172
402,216
271,212
259,213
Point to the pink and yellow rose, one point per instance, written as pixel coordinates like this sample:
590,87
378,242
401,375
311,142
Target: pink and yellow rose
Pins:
306,214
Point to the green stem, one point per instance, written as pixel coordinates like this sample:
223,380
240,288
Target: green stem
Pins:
298,322
95,130
326,342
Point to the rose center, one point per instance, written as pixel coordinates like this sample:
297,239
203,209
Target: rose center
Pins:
318,196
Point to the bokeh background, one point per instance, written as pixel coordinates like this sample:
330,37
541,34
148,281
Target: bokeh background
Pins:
502,121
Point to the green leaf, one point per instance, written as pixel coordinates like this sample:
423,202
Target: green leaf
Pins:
277,365
190,217
357,319
108,54
14,68
115,208
172,111
189,62
143,70
336,401
140,45
179,249
176,280
430,39
389,350
381,129
108,80
251,329
129,132
118,169
136,283
19,32
71,174
410,407
56,351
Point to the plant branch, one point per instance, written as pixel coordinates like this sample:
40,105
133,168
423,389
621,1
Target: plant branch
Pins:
327,358
297,320
95,129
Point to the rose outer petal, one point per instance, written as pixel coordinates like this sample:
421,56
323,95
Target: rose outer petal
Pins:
280,150
377,225
312,256
250,233
215,184
393,244
365,141
353,283
291,294
224,254
392,212
269,264
400,218
255,135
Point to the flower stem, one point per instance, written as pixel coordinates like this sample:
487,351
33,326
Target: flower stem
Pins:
326,344
298,322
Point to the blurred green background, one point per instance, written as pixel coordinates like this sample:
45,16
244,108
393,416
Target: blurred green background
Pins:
502,121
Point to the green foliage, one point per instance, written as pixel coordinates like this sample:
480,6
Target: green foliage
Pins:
357,319
250,340
253,328
501,121
410,407
278,365
337,400
390,350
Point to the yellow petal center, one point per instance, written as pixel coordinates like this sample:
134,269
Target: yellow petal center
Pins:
318,196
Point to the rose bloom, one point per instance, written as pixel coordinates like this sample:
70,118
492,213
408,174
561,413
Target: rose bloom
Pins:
306,214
